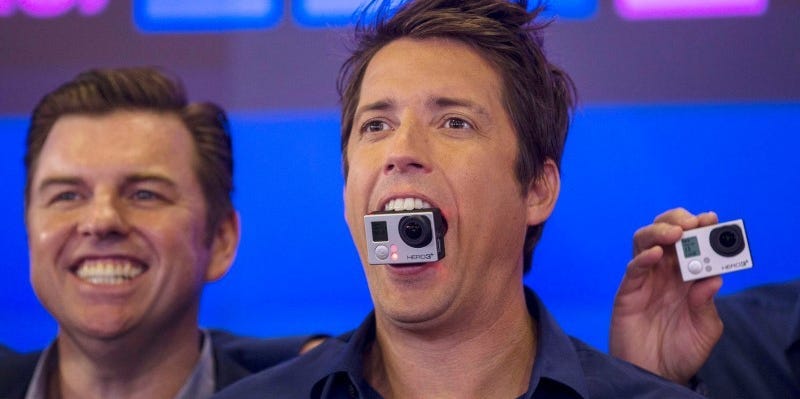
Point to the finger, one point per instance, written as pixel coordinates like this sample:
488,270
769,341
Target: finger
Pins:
673,215
704,312
655,234
639,267
707,219
702,292
679,217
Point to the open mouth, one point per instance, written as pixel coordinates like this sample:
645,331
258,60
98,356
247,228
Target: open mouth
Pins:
106,271
406,204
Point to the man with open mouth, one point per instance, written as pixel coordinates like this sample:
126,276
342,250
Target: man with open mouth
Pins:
452,106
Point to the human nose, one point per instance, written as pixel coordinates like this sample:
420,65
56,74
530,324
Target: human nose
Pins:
103,218
408,151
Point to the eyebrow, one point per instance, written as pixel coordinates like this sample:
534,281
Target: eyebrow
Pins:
143,178
58,181
132,179
434,102
448,102
380,105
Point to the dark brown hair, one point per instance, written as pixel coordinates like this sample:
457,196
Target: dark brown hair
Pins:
537,94
102,91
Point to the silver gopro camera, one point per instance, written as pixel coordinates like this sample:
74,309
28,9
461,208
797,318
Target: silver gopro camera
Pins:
415,236
713,250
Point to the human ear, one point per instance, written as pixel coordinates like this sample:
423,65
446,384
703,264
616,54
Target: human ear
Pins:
542,193
224,246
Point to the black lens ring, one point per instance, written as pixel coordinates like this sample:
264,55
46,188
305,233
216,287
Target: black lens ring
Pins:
424,232
726,232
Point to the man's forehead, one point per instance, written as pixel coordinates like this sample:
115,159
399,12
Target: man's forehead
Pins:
127,142
116,133
432,68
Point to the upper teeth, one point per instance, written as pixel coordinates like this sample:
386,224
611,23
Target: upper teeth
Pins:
108,271
405,204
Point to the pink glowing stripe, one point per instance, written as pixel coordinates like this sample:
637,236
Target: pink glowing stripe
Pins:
51,8
678,9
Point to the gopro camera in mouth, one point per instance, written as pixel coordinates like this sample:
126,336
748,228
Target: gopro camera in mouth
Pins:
396,238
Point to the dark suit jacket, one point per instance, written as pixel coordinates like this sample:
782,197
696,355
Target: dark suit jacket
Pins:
5,351
234,358
758,355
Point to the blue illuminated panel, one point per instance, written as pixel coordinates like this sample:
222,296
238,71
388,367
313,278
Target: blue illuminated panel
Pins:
324,13
206,15
332,13
297,270
571,9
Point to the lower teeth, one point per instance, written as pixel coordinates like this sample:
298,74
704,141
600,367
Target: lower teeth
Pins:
106,280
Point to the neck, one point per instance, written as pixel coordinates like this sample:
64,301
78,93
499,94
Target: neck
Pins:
490,356
128,367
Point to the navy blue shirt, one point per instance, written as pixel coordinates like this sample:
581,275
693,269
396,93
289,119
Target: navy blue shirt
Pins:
758,355
564,368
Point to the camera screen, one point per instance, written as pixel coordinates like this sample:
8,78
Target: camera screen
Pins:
691,247
379,232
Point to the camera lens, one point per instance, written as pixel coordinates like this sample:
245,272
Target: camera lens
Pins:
727,240
415,230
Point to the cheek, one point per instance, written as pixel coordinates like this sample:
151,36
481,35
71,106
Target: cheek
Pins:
353,214
357,188
46,243
47,236
495,170
181,233
180,250
357,192
488,186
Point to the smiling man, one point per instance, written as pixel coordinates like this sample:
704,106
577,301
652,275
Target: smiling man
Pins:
453,105
129,214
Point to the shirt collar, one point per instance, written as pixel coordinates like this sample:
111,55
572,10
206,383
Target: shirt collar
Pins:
201,382
556,359
37,389
344,362
199,385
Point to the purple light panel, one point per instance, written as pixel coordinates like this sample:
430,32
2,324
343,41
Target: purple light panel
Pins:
51,8
684,9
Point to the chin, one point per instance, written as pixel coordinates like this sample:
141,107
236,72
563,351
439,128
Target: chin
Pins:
416,315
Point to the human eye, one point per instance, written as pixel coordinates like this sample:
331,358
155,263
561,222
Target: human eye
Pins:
374,126
457,123
64,197
145,195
